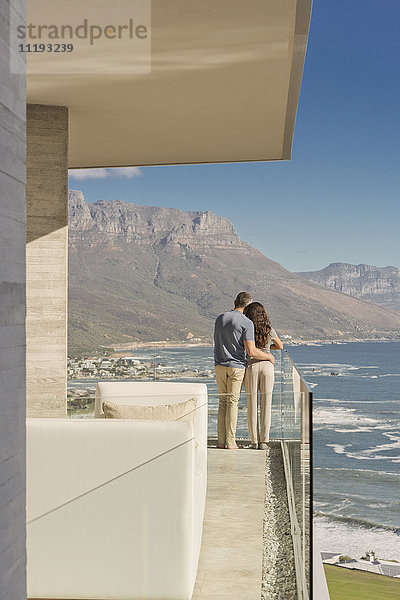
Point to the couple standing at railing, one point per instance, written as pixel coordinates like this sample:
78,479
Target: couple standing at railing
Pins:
243,338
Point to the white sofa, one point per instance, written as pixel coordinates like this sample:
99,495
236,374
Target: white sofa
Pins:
115,507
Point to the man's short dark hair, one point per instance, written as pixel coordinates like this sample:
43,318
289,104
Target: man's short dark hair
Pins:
242,300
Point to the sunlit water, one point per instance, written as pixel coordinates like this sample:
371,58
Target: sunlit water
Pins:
356,445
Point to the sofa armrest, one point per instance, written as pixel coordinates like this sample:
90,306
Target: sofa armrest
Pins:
110,509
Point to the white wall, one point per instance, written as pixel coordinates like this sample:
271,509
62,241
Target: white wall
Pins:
12,319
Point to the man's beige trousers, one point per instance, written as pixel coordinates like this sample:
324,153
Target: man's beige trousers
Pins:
259,378
229,383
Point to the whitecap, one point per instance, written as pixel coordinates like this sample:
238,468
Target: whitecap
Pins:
374,453
340,416
359,430
339,448
352,540
371,471
337,401
390,375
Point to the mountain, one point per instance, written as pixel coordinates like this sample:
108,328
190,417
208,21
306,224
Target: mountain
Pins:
380,285
140,273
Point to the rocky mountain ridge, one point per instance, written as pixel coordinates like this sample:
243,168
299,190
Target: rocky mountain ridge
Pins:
140,273
380,285
149,225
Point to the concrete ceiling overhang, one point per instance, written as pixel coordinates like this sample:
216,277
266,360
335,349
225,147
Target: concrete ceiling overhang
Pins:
224,87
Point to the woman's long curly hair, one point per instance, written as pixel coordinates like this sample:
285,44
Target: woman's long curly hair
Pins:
262,324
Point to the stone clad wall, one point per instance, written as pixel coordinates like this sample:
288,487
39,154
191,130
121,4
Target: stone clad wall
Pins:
12,318
47,260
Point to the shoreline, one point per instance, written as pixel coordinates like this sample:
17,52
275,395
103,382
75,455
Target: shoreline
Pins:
164,344
157,345
335,539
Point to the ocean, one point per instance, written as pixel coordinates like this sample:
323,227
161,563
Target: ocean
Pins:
356,437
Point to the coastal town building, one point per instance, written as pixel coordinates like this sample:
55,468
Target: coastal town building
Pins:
368,563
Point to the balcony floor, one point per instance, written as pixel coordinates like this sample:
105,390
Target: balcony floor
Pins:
232,545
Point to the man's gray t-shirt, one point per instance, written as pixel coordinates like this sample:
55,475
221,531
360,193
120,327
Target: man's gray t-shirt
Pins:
231,330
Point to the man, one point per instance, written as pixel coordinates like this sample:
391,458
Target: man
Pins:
233,338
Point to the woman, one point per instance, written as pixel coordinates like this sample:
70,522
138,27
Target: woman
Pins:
260,376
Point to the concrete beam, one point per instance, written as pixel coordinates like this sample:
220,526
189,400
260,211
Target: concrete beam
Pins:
47,260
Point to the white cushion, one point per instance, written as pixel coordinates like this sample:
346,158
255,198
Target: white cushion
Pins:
181,411
145,393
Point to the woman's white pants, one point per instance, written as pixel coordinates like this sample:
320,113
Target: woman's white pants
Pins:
259,378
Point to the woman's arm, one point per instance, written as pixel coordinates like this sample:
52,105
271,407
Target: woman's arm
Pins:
276,344
254,352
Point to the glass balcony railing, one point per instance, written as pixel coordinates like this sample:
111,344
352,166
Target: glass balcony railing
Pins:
295,409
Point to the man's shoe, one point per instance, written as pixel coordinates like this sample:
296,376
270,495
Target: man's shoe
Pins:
254,446
263,446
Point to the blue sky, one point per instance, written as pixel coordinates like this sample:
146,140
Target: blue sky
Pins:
338,198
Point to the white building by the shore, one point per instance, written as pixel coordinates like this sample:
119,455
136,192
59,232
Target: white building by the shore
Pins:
370,563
